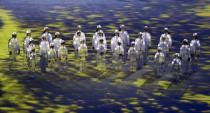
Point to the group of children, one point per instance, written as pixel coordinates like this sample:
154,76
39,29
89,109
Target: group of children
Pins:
53,50
184,62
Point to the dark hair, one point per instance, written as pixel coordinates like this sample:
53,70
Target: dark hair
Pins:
195,37
97,29
167,31
119,43
185,42
118,34
63,43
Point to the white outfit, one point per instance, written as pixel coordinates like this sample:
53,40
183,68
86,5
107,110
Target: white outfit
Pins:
176,67
57,43
26,41
13,44
44,47
114,42
119,51
148,43
165,47
168,39
101,48
82,50
147,38
29,48
159,63
118,56
195,53
77,39
125,38
195,47
48,36
159,58
132,56
176,64
185,52
141,48
97,41
185,55
95,37
52,54
62,52
140,45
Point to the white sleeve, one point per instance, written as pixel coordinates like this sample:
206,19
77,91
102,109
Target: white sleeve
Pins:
40,45
105,41
199,44
50,36
74,36
170,40
189,53
74,40
172,62
129,53
17,43
191,43
48,46
149,40
128,38
180,50
112,44
96,43
158,45
156,56
93,40
136,44
105,47
122,50
83,36
144,46
161,38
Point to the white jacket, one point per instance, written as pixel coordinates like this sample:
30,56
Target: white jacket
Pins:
114,42
164,46
95,36
195,47
29,49
62,52
176,63
57,43
44,47
101,48
97,41
77,39
168,39
48,36
13,44
185,52
140,45
159,58
132,53
83,50
125,38
52,53
147,39
119,50
26,41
